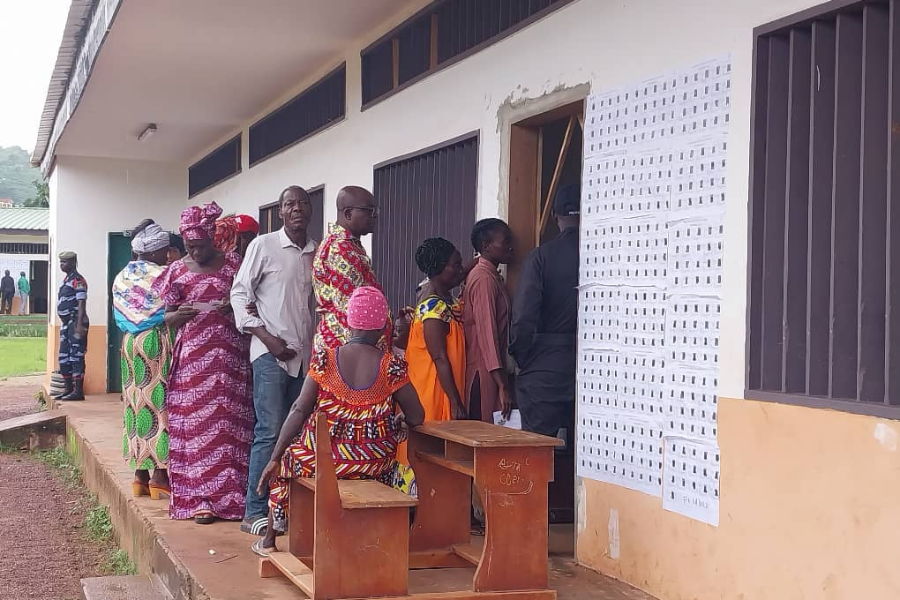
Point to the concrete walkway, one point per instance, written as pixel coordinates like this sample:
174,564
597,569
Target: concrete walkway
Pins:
214,561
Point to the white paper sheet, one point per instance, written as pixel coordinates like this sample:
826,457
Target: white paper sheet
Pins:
652,236
691,475
513,422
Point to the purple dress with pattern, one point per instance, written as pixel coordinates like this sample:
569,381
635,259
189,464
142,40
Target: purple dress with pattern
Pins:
209,398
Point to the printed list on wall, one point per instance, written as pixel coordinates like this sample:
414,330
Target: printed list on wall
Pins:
653,206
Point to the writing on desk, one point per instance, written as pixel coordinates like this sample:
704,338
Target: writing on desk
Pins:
507,465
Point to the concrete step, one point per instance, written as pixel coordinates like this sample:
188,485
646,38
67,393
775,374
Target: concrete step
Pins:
38,431
132,587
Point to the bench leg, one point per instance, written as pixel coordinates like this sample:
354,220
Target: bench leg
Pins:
301,521
362,553
513,487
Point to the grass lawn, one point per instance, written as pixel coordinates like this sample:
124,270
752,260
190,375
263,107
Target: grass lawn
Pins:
30,326
22,356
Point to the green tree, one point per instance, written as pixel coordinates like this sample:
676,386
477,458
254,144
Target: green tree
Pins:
42,195
17,175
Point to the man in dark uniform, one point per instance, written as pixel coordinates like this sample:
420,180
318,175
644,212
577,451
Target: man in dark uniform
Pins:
71,307
543,341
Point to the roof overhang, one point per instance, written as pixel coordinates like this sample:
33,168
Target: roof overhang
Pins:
74,31
199,70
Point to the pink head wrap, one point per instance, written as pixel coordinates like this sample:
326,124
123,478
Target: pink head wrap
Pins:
367,309
199,223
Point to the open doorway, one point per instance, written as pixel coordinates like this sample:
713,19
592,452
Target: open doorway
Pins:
545,155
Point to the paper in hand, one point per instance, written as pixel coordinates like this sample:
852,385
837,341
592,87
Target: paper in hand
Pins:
513,422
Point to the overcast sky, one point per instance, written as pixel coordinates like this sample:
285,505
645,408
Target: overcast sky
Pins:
30,31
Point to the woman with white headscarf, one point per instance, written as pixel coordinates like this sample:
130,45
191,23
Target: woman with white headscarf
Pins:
146,358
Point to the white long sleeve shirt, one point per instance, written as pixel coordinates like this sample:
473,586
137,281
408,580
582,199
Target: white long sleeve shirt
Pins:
277,275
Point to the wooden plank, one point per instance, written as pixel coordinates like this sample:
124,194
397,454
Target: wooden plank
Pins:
433,58
870,383
512,483
524,194
291,567
472,595
478,434
793,367
443,516
772,297
437,559
892,341
554,181
368,493
759,118
469,552
845,208
821,167
395,62
466,467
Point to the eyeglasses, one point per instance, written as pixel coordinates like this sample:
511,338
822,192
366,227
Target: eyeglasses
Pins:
373,210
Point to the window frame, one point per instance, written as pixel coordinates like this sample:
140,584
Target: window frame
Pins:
436,66
757,151
239,167
269,115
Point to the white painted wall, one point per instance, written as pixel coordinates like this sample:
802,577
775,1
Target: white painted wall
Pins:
90,197
590,41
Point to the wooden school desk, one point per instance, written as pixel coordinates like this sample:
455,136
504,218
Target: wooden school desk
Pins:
510,470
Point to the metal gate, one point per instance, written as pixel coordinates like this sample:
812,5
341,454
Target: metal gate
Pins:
432,193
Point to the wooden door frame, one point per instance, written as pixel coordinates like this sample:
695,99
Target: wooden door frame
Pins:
525,181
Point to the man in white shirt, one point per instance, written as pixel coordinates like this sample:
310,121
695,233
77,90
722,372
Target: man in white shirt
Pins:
276,276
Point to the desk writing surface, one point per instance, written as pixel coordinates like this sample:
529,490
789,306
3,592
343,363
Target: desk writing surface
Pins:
478,434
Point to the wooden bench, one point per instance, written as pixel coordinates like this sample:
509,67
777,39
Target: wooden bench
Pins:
346,538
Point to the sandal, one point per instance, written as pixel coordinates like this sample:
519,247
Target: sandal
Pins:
139,488
257,526
157,492
204,517
259,550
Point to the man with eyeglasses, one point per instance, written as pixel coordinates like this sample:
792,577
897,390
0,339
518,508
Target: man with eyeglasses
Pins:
342,265
275,282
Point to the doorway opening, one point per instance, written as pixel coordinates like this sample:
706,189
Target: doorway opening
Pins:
545,155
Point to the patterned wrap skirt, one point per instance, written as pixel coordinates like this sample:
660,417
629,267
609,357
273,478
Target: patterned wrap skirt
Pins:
146,358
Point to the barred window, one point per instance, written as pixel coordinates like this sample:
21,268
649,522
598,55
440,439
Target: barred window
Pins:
824,277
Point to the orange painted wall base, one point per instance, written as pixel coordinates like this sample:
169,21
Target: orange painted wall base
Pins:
808,511
95,359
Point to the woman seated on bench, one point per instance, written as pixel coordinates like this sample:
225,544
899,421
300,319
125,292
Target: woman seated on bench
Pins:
356,386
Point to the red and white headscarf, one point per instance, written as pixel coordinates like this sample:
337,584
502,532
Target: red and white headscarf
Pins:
199,223
228,228
367,309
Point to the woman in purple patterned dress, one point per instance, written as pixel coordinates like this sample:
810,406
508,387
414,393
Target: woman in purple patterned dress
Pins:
209,397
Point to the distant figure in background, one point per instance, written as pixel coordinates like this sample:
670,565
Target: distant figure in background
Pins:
176,249
486,306
139,313
545,325
209,401
24,293
71,306
7,291
234,233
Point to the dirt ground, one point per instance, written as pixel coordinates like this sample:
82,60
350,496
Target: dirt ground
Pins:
17,396
44,553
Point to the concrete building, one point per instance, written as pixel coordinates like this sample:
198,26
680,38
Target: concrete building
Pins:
24,247
456,110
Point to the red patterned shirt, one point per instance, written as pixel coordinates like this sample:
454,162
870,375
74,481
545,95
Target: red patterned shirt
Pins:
341,265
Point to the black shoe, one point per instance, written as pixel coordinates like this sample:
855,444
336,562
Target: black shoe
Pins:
77,392
68,389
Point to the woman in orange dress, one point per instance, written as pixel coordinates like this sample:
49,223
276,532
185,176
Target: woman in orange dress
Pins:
436,351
